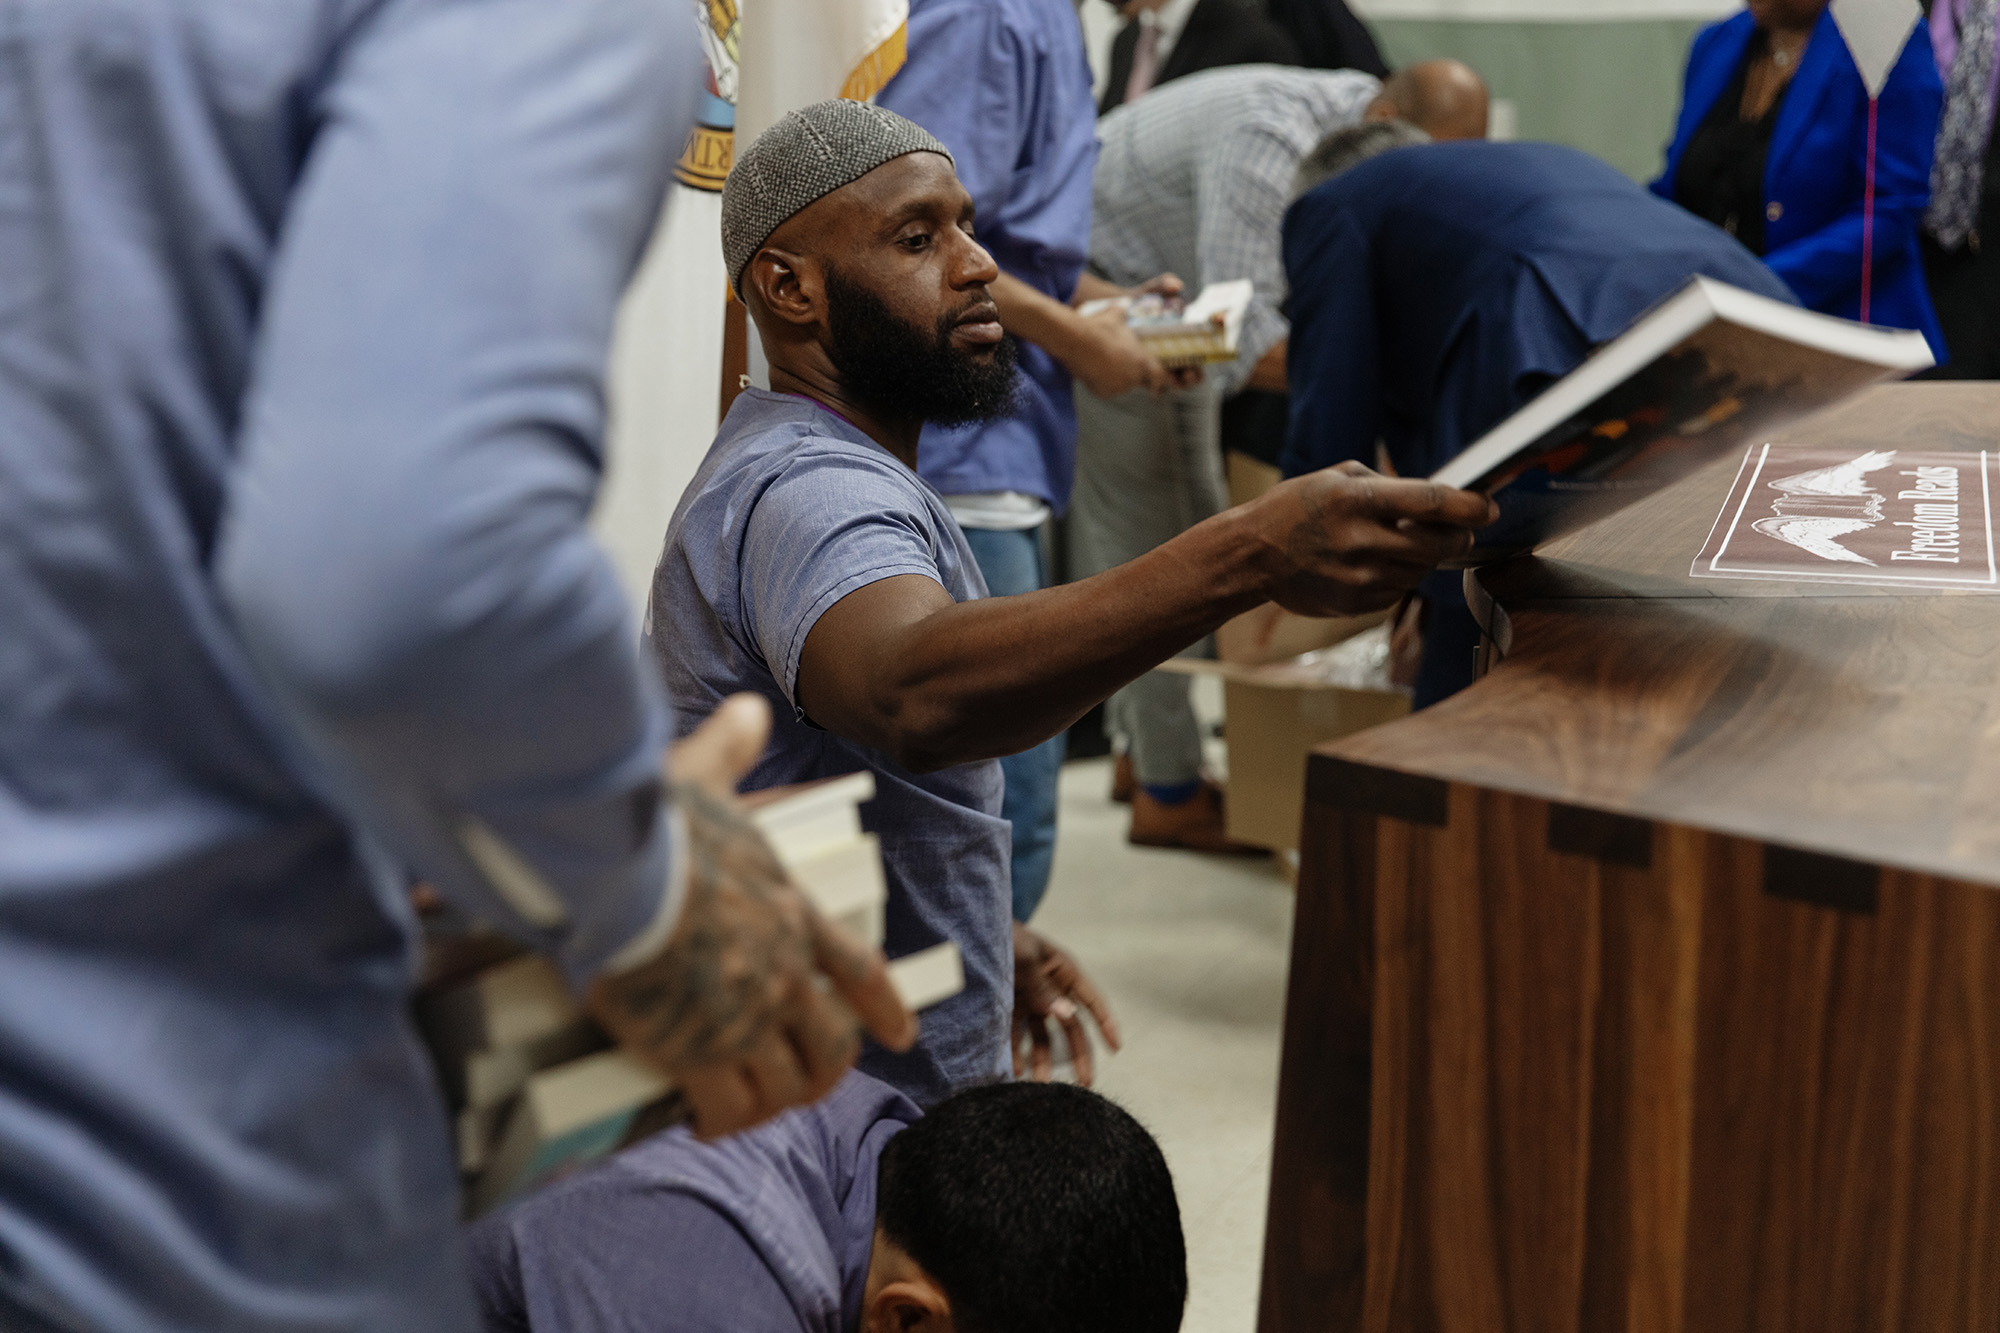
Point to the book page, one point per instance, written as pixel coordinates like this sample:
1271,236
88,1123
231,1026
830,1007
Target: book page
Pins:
1716,389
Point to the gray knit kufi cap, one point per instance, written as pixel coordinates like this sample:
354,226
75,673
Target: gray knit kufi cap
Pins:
802,159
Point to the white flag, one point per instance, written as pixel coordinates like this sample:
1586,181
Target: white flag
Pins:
1876,33
797,52
666,352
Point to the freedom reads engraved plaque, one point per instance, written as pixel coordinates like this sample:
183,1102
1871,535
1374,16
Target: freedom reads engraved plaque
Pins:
1887,517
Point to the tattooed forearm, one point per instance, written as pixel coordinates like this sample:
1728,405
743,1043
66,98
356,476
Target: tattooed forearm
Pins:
740,946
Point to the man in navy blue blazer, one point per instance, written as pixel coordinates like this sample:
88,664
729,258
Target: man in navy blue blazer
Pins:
1437,287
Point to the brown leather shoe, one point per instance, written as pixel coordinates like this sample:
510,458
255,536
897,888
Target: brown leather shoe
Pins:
1196,824
1124,779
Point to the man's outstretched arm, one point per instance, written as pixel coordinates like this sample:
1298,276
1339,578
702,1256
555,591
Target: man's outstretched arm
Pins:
900,666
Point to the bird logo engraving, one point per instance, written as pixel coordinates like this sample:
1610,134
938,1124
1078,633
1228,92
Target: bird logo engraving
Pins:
1815,509
1817,535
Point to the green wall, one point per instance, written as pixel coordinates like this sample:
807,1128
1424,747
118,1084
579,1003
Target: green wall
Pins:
1611,87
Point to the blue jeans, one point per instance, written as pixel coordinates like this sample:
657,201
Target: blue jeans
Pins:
1451,640
1012,563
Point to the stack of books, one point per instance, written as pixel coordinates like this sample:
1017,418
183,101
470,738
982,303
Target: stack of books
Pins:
537,1088
815,829
491,1033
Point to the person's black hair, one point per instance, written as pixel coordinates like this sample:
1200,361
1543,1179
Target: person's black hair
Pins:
1038,1208
1350,146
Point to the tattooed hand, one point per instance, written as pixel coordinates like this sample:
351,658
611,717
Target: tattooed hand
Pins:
1048,984
752,1005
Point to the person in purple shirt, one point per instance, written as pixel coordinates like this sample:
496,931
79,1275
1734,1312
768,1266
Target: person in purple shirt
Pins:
1010,1208
1005,85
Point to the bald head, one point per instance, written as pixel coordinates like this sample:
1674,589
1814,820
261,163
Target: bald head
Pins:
1443,98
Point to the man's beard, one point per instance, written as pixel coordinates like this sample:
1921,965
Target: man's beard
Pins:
890,365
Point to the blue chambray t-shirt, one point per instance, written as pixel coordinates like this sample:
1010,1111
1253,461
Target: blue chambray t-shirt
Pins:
793,509
769,1230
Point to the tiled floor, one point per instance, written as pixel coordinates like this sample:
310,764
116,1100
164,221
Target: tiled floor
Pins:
1191,952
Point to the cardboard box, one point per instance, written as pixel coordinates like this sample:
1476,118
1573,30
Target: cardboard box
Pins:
1269,633
1271,727
1247,477
1273,716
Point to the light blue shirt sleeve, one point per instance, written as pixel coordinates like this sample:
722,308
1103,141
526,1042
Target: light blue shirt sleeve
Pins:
404,548
1005,85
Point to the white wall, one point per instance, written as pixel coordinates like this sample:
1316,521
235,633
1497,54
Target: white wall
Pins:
666,374
1101,21
1478,11
1100,27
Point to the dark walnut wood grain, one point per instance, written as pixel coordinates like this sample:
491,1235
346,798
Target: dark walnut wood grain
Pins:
1646,984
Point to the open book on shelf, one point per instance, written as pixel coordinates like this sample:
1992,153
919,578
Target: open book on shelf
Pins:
1695,378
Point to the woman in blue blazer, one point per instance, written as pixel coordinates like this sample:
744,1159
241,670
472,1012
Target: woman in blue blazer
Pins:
1776,82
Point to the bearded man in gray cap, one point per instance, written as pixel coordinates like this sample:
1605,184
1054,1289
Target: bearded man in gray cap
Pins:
809,563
